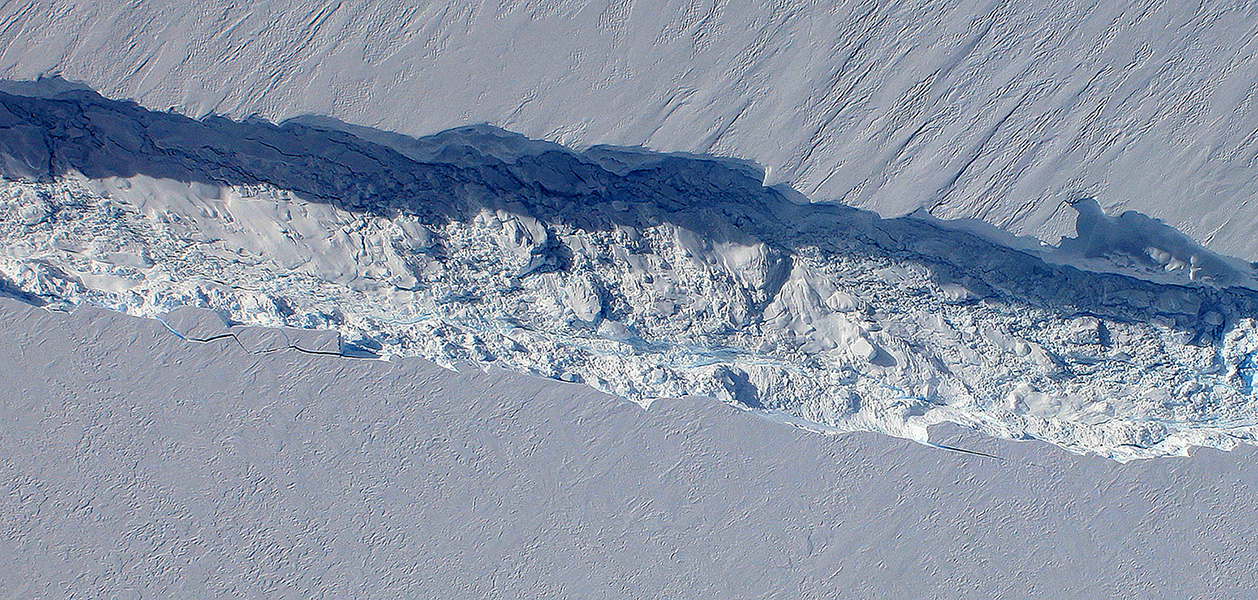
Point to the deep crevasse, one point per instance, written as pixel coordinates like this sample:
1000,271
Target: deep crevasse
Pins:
641,274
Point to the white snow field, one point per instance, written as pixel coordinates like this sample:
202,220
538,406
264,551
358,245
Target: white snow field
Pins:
137,465
1000,111
641,274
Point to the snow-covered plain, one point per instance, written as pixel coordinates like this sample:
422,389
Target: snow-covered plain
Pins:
137,465
642,274
1001,111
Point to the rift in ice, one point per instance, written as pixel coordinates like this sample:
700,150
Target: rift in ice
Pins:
643,274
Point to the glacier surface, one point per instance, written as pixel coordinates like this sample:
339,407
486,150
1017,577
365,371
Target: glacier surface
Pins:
997,111
643,274
137,465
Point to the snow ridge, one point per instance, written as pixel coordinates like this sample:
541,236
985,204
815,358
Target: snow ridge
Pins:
643,274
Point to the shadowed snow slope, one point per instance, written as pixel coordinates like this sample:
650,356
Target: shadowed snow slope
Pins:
642,274
993,110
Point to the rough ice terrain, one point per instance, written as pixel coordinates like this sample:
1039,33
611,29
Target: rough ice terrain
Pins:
1000,111
642,274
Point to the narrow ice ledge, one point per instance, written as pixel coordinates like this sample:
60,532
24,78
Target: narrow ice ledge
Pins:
642,274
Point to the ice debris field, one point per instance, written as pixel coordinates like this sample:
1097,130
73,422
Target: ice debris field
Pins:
639,273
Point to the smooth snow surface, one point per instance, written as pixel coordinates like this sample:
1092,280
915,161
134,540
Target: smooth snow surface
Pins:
642,274
991,110
136,465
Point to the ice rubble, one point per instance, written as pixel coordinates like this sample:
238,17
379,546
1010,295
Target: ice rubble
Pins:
642,274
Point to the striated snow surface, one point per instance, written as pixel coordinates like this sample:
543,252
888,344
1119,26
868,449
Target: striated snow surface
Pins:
997,111
642,274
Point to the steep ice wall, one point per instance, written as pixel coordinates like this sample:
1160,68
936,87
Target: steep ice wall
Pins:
993,110
646,275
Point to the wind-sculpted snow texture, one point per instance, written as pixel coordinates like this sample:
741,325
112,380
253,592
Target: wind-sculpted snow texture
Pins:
991,110
135,464
642,274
